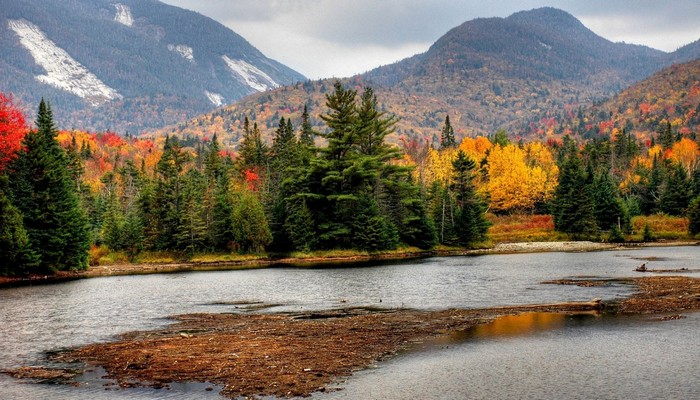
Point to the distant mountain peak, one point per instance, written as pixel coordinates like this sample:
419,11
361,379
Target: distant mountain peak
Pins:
143,63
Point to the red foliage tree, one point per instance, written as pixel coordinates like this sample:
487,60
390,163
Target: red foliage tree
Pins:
13,127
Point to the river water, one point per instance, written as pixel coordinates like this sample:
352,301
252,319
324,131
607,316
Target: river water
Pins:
538,356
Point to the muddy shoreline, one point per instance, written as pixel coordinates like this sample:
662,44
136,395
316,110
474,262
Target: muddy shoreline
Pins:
159,268
296,354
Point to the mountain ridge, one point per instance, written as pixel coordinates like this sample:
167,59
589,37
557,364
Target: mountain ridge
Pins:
165,62
487,74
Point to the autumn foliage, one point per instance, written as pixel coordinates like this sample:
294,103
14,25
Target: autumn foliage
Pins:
12,130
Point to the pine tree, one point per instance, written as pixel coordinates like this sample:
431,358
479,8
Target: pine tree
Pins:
16,257
677,194
300,225
45,194
306,136
447,135
574,207
250,228
609,210
253,152
471,225
694,217
164,202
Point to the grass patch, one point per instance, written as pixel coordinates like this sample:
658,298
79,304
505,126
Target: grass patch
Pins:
663,227
523,228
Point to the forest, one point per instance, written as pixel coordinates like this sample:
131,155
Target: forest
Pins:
69,197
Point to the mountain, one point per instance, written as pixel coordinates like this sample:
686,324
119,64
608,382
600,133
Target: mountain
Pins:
126,65
488,74
671,96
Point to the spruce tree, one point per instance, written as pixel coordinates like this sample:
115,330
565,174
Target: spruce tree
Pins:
574,207
16,256
447,135
694,217
251,231
45,194
609,210
471,225
676,194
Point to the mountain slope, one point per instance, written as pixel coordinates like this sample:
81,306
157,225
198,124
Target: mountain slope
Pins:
127,65
672,95
487,74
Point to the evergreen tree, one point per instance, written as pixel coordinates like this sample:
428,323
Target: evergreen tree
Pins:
253,153
221,229
501,138
166,201
650,197
447,135
696,181
666,136
694,217
471,225
45,194
306,137
676,194
300,225
16,257
574,207
192,227
609,209
250,228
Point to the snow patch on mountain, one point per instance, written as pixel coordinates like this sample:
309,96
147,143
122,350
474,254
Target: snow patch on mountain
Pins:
123,15
183,50
215,98
250,74
62,71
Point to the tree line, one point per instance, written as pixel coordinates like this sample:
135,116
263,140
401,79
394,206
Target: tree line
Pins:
344,187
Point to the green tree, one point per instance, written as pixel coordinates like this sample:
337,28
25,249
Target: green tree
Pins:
164,202
45,194
192,228
16,257
447,135
609,208
694,216
574,206
676,194
300,225
471,225
253,152
250,228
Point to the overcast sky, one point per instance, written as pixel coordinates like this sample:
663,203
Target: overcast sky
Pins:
340,38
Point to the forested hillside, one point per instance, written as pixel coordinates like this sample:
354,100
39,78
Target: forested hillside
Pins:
126,66
668,101
339,187
514,73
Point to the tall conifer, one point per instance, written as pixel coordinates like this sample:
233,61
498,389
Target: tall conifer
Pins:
46,195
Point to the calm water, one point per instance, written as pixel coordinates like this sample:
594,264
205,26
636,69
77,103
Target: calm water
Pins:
563,358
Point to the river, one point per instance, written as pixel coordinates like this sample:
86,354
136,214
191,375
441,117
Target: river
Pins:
561,356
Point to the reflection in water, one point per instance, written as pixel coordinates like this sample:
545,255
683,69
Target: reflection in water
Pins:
517,325
574,357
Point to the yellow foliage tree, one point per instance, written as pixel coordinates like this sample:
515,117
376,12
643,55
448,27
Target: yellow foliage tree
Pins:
519,178
686,153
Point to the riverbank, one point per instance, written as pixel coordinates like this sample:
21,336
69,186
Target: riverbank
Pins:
311,260
297,354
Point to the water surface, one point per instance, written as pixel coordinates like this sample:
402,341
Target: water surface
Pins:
34,320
